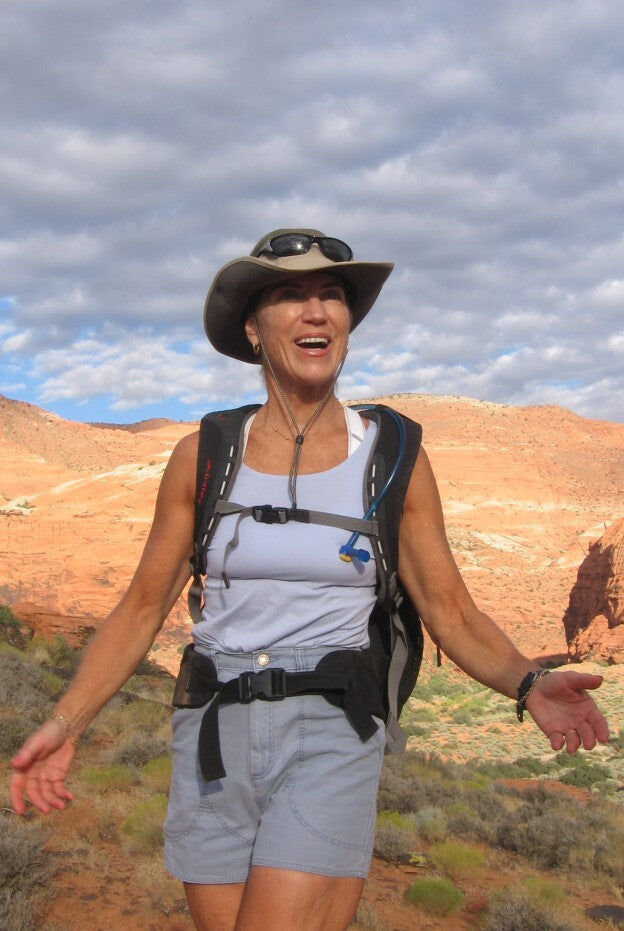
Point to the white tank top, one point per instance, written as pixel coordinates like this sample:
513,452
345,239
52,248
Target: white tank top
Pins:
288,585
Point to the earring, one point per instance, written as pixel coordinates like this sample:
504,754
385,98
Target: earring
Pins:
256,349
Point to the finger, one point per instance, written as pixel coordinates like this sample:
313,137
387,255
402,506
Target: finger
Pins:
557,740
52,796
16,793
584,680
573,741
601,728
34,795
586,735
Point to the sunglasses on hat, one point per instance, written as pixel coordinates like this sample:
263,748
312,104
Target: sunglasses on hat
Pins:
299,243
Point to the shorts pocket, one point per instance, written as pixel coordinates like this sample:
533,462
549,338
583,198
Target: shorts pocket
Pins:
333,789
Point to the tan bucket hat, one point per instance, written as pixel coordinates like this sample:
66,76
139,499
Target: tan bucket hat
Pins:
267,264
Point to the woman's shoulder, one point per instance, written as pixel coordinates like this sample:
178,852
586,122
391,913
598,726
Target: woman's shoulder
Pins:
184,455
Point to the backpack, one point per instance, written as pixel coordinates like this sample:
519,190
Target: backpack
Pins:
394,625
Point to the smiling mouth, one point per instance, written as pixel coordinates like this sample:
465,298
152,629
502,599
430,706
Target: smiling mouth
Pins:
313,342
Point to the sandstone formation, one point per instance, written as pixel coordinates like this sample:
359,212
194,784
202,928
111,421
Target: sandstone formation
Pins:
594,619
525,492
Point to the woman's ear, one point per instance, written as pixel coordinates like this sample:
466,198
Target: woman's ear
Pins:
251,330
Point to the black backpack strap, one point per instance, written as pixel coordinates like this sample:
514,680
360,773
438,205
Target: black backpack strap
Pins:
392,460
395,630
220,438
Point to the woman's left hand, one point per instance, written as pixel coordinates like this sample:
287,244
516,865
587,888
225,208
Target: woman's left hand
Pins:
562,709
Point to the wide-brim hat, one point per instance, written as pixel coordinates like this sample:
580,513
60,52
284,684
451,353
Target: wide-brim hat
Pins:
236,282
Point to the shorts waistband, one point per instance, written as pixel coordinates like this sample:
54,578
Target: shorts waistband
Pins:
292,659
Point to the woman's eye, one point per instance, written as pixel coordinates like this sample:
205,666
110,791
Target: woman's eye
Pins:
287,294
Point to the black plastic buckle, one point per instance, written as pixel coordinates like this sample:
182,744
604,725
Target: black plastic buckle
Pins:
267,514
269,685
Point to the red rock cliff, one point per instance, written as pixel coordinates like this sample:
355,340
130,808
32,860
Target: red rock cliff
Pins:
594,620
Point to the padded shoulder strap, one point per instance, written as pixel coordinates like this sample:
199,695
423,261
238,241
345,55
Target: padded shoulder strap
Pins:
220,435
388,476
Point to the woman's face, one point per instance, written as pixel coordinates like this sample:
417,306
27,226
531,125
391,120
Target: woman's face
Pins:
304,323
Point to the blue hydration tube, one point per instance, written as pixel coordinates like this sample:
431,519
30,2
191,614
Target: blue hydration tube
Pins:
348,552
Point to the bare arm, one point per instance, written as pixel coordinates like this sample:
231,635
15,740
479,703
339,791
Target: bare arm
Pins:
470,637
121,641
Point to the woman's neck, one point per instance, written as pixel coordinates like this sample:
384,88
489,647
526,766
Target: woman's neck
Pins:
276,414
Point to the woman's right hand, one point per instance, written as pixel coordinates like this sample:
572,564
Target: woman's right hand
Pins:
40,768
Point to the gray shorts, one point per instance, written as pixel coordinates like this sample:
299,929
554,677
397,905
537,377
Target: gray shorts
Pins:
300,790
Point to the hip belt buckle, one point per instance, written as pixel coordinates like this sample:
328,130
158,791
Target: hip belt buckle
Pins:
269,685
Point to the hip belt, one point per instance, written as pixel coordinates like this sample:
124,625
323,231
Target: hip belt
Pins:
347,679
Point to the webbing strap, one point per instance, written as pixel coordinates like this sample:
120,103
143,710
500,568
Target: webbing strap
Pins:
396,738
300,515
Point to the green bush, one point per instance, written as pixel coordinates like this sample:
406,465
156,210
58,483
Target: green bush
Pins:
108,778
156,774
455,860
581,771
436,896
143,827
12,630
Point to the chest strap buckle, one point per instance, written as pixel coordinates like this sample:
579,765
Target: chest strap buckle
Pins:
267,514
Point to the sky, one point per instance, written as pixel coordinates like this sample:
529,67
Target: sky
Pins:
477,144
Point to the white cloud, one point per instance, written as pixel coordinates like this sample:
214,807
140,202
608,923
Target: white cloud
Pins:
479,146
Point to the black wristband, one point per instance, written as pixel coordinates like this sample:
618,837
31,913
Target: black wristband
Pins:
526,687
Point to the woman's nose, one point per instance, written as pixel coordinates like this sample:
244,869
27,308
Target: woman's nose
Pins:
313,308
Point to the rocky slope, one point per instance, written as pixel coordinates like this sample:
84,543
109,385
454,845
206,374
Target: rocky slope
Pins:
525,492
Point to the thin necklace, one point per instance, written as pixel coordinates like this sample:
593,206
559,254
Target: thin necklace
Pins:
300,433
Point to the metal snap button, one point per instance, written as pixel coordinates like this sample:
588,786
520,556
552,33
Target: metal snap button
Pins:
263,659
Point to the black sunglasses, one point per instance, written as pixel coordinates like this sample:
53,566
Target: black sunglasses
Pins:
300,243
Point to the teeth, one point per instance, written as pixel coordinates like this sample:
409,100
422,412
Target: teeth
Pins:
312,341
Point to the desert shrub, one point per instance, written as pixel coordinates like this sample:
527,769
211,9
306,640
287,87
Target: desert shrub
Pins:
431,824
124,718
445,683
550,835
24,869
24,686
581,771
12,630
455,860
14,729
436,896
142,828
395,835
395,789
534,905
156,774
105,778
139,748
415,781
470,710
367,917
524,767
150,714
54,651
